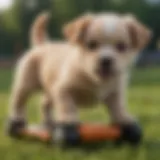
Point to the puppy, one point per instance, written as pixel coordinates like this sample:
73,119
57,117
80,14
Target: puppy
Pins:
90,67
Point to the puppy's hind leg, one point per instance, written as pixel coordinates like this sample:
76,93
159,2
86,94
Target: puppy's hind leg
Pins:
24,85
46,111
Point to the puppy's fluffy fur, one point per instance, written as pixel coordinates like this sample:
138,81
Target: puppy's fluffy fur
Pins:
90,67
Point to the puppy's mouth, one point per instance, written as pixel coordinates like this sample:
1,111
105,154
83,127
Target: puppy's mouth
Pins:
105,73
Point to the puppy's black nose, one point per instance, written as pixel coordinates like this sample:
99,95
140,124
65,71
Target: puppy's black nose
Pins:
106,63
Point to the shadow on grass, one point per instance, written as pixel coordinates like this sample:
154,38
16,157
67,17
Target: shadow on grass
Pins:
148,150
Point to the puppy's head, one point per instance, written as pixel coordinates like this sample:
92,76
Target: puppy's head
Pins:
108,42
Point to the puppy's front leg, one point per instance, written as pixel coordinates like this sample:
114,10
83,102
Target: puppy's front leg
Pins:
66,117
65,108
116,102
117,108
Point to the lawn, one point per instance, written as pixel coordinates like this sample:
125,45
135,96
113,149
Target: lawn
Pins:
144,103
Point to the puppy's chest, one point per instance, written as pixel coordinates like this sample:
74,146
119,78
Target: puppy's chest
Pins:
105,90
91,96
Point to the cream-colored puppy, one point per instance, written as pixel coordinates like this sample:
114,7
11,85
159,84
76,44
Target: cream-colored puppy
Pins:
90,67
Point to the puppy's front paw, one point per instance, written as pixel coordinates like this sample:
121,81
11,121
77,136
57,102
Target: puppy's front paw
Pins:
66,134
131,133
13,127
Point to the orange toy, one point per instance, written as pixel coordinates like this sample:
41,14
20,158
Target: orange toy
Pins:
88,133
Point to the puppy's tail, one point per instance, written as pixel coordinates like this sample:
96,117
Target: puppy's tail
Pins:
38,30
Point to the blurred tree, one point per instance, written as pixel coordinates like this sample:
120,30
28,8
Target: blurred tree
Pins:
11,18
10,30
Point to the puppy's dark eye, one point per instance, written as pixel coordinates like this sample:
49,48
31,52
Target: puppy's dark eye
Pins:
92,45
121,47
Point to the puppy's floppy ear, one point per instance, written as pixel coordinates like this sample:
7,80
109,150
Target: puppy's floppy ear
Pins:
140,34
76,30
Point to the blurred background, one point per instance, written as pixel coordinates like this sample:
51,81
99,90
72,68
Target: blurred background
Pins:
16,17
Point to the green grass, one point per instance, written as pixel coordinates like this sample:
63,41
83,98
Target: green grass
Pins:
144,102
